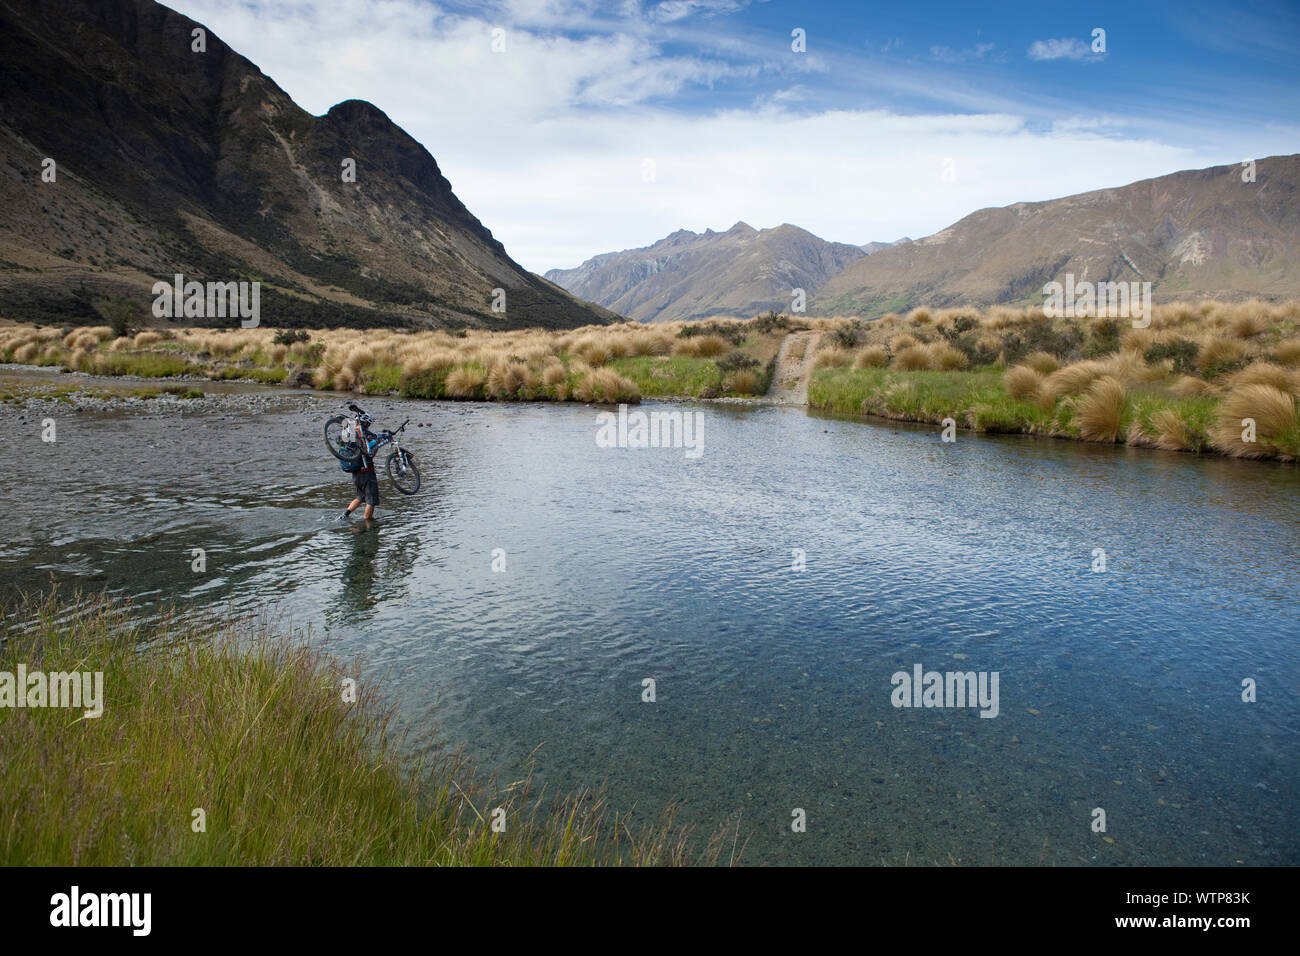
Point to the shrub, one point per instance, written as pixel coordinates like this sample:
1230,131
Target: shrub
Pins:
736,362
770,322
1103,338
120,313
290,337
1182,352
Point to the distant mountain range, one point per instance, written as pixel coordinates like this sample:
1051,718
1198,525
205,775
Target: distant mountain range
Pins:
689,275
169,160
1196,234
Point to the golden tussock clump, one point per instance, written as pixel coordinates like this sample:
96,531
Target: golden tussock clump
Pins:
465,381
913,358
1273,412
1171,432
1072,379
1098,413
943,357
80,360
1130,368
554,373
357,359
873,356
344,379
921,316
147,338
1217,350
1288,352
1266,373
26,353
702,346
1044,363
902,341
1138,340
605,386
1250,319
743,382
1189,386
833,358
1022,382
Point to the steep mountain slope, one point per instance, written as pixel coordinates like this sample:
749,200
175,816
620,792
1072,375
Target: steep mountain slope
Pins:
688,275
1192,234
170,160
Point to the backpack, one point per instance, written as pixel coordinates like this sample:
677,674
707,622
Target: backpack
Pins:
354,465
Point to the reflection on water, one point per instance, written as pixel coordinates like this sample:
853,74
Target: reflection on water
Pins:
1119,690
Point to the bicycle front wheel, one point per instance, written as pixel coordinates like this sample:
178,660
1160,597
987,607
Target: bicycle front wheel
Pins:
403,473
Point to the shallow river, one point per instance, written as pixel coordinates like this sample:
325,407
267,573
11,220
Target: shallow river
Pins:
1118,689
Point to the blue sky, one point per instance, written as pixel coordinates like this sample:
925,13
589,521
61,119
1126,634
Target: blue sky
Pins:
591,127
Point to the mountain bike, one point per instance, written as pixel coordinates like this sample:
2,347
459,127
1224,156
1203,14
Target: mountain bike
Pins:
345,438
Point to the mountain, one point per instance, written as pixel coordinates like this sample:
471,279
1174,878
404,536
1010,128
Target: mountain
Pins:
168,160
1194,234
870,247
688,275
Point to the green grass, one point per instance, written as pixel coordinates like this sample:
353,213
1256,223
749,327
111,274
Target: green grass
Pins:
141,364
671,375
267,376
250,725
382,378
976,399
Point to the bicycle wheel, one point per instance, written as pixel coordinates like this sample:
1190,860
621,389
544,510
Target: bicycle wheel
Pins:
403,473
343,451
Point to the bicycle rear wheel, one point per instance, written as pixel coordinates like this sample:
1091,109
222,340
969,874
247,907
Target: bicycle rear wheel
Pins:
403,473
334,440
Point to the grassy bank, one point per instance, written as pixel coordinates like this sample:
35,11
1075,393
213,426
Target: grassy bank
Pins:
1212,378
618,363
251,726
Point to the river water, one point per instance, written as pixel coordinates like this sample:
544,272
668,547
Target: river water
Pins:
1118,689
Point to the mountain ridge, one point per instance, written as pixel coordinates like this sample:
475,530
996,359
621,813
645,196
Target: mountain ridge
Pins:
690,275
169,160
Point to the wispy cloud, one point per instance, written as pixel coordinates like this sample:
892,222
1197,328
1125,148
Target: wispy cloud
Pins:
1067,48
946,54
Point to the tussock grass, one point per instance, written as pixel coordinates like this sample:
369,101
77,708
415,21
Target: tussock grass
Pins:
1023,382
1099,412
1277,430
1044,363
873,356
250,724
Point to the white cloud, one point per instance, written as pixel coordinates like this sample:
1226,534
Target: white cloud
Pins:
1066,48
545,142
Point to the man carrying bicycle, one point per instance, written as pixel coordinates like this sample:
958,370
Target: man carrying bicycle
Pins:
364,479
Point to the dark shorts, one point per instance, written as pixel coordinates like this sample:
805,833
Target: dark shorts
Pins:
367,487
